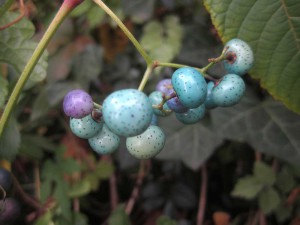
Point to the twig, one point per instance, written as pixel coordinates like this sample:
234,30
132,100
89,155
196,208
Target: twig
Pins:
202,199
136,190
114,198
262,218
37,182
23,195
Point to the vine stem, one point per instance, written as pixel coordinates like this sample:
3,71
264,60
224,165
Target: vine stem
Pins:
64,10
125,30
202,199
146,77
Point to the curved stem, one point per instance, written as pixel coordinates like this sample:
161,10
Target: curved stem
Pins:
64,10
22,11
202,200
125,30
145,77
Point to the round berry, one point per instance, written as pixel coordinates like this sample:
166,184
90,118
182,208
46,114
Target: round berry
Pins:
164,85
127,112
190,86
174,103
229,90
78,104
147,144
239,57
5,179
209,102
105,141
156,97
85,127
192,115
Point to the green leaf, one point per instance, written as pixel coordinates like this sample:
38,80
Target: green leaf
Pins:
104,170
267,126
283,212
87,65
16,47
264,173
285,181
163,41
272,28
164,220
192,144
3,90
247,187
268,200
79,219
140,11
45,219
10,140
80,189
119,217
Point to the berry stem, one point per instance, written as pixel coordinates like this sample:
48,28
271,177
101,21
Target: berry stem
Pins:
146,77
64,10
97,106
125,30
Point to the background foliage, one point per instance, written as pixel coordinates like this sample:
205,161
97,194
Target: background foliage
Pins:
90,52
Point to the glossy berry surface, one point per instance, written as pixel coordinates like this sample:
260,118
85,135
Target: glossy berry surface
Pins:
105,141
5,179
85,127
175,104
239,57
78,104
229,91
156,97
148,144
192,115
164,85
190,86
127,112
9,210
209,102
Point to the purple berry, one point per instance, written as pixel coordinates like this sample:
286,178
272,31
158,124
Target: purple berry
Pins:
78,104
5,179
164,85
9,210
174,103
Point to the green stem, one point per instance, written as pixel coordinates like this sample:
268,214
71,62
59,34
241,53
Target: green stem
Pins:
145,77
64,10
125,30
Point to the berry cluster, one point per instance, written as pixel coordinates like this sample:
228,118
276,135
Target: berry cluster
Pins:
132,114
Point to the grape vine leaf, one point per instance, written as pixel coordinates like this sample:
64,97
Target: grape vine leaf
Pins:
272,28
192,144
268,126
247,187
16,47
268,200
167,35
264,173
118,216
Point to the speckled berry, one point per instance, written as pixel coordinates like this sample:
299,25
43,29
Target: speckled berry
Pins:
229,90
105,141
147,144
78,104
174,103
164,85
156,97
192,115
190,86
239,57
85,127
209,102
127,112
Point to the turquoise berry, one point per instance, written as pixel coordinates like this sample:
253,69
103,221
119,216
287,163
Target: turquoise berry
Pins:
190,86
127,112
209,102
148,144
156,97
229,90
239,57
105,141
192,115
85,127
